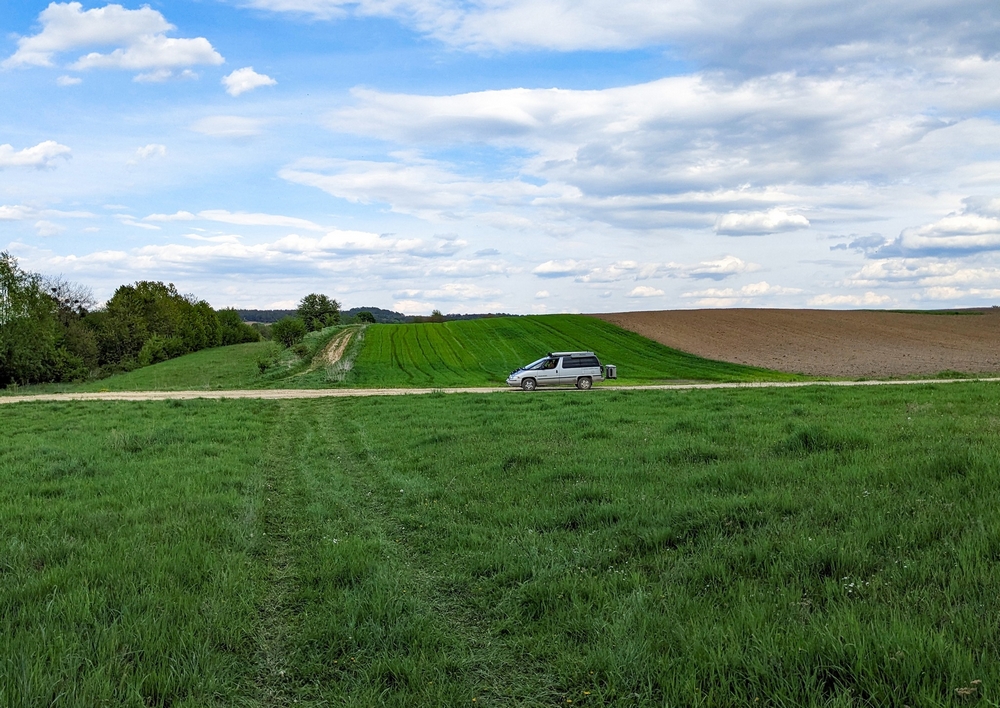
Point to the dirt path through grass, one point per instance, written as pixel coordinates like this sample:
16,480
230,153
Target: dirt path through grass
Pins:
281,394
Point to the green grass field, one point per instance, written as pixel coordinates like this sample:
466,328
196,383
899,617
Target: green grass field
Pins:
483,352
781,547
461,353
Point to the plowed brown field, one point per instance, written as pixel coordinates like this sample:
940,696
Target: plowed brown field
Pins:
829,343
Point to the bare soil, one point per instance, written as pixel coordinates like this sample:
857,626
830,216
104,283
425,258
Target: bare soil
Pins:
850,344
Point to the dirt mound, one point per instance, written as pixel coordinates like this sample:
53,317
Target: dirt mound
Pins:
829,343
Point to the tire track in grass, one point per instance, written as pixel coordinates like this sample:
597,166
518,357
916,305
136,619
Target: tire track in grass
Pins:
430,371
484,663
452,342
271,680
395,358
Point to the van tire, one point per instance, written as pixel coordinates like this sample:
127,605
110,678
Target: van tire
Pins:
528,385
584,383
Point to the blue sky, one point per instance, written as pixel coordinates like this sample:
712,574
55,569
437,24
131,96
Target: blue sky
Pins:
514,155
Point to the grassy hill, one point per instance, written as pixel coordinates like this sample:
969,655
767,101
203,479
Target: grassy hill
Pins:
457,353
483,352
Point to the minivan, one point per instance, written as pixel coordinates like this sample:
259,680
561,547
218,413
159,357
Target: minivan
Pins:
580,369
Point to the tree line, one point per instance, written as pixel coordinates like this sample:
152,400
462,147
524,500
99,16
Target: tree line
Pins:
51,331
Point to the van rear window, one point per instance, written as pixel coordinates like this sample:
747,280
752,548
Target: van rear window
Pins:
580,362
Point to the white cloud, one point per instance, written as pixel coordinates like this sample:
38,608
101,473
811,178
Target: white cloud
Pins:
16,212
245,79
152,150
69,81
153,53
560,269
645,291
141,34
256,219
179,216
747,34
40,156
728,297
228,126
413,307
749,156
425,188
719,269
868,299
47,228
542,294
963,232
758,223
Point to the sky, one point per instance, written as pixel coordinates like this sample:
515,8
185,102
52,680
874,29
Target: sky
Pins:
521,156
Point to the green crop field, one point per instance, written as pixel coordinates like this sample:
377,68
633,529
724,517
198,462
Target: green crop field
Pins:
778,547
483,352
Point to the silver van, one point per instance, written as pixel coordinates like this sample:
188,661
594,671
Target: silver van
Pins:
580,369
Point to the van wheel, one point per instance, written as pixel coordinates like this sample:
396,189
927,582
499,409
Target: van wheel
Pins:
528,385
584,382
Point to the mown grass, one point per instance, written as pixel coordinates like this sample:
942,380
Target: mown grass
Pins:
483,352
800,547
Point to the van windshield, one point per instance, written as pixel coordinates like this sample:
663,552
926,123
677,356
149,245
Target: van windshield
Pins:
536,364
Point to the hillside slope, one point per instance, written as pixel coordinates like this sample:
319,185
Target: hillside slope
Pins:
483,352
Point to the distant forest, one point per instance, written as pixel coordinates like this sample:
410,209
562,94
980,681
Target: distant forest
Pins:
381,316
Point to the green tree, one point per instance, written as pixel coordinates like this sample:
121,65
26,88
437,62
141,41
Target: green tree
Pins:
29,327
289,331
365,317
234,330
318,311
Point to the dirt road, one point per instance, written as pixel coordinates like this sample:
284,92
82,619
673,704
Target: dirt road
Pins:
279,394
829,342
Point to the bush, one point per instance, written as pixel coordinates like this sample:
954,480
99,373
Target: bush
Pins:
364,317
234,329
289,331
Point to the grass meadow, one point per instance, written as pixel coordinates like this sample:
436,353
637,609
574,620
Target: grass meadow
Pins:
775,547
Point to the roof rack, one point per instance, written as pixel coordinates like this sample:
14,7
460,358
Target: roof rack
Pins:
571,353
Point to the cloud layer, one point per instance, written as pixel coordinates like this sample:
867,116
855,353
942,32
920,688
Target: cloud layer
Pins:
140,36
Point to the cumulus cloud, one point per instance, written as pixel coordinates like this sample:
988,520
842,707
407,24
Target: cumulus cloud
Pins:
245,79
17,212
153,53
69,81
560,269
759,223
140,33
228,126
40,156
645,291
963,232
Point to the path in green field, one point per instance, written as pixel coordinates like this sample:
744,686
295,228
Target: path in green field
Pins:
483,352
785,547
